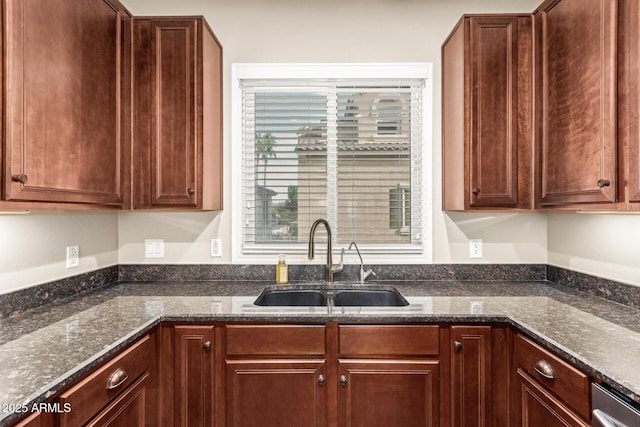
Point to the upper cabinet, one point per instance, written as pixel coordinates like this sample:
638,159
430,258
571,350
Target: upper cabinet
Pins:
487,113
102,110
176,77
541,111
62,118
629,99
576,102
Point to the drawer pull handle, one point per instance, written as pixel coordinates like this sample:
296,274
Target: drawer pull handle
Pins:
603,183
457,345
545,370
343,379
190,191
116,379
321,379
206,346
476,191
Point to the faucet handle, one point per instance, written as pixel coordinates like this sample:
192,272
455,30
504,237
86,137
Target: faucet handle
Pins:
366,274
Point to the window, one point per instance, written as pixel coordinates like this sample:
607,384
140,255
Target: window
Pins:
323,142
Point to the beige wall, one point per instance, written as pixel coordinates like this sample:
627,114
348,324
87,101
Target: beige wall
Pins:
32,247
336,31
604,245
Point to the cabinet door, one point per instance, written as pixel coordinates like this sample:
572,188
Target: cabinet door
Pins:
629,121
166,146
538,407
399,393
127,410
471,376
274,393
487,113
576,62
62,118
493,104
193,373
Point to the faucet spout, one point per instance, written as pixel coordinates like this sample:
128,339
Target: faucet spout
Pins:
363,274
330,269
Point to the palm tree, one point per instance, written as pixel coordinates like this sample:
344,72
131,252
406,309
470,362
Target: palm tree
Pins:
264,151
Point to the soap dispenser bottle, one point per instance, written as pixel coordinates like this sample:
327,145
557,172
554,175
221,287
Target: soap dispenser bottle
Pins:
282,271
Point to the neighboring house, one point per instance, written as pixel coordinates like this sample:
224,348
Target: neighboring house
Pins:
265,219
373,170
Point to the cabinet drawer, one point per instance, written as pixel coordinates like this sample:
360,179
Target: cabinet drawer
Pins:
95,391
568,383
275,340
367,340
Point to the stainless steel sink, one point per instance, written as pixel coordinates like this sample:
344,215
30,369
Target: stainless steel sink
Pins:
341,295
291,297
369,298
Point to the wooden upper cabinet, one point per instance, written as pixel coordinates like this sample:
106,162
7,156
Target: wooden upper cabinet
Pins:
177,114
62,101
575,45
629,98
487,120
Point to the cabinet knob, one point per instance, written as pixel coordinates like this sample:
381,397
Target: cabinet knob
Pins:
476,191
343,379
457,345
117,378
206,346
603,183
22,178
190,191
321,379
545,370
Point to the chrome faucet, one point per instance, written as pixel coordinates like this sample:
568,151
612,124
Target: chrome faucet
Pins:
330,268
363,274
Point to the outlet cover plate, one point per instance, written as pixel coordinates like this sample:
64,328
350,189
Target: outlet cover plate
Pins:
216,248
73,256
475,248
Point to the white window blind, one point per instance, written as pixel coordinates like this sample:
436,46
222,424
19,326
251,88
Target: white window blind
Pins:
345,150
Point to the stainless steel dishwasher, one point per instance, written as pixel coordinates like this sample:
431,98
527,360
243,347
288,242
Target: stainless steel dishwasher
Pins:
611,409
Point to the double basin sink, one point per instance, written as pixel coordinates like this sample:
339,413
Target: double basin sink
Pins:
337,294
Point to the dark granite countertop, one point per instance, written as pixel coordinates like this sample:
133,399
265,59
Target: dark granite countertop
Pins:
44,350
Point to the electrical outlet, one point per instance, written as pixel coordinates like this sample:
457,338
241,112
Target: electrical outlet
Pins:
475,248
154,248
475,307
73,256
216,248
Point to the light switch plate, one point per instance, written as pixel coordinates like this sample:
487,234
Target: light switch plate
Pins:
154,248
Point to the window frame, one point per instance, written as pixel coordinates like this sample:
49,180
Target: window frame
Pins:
389,254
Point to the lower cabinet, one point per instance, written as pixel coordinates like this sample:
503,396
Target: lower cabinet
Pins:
122,392
193,375
539,407
333,374
547,391
471,376
276,375
286,392
388,375
397,392
128,409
